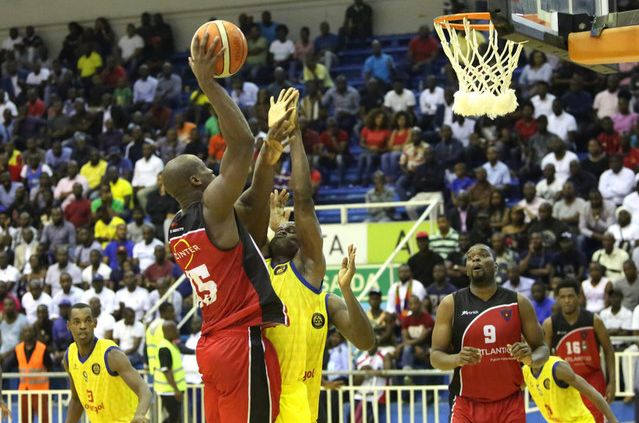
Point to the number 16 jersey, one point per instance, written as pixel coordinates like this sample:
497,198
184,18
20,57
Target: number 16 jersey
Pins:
233,286
489,326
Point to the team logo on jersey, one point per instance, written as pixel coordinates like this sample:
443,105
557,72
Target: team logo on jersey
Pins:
95,369
318,321
547,383
584,334
280,269
507,314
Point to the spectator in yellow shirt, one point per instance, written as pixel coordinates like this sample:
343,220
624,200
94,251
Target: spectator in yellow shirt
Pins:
314,71
94,170
106,225
120,187
89,63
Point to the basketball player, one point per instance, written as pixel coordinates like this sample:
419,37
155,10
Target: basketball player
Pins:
214,249
103,382
297,267
484,324
556,390
4,410
575,334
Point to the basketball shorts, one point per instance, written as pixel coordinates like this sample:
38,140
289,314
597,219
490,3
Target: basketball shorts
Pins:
508,410
241,376
598,381
294,406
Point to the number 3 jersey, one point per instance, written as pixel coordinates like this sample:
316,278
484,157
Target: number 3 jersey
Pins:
233,286
489,326
577,343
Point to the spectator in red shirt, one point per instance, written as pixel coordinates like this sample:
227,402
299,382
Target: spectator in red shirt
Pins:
310,138
161,268
630,154
332,151
526,127
35,106
421,51
609,138
159,116
112,73
416,335
374,141
78,211
15,160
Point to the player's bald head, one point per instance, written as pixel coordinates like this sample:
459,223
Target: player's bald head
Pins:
183,175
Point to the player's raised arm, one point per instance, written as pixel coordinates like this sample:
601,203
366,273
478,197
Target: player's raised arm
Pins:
309,233
609,354
564,372
347,314
440,357
75,409
534,352
120,364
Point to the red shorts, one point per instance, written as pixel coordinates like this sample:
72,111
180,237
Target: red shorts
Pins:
598,381
508,410
241,375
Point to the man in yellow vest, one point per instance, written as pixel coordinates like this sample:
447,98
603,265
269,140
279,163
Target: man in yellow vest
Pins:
169,378
32,356
154,334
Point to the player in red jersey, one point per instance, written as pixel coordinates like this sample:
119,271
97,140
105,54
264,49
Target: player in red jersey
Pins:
478,332
575,334
209,241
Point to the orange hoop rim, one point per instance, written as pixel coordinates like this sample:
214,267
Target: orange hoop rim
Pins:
450,19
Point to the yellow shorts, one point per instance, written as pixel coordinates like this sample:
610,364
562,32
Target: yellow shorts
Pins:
294,405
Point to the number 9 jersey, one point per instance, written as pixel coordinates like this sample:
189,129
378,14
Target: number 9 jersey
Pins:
233,286
489,326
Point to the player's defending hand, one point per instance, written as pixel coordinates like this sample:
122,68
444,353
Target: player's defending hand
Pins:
278,213
521,352
140,419
4,411
204,61
468,356
286,101
347,271
277,133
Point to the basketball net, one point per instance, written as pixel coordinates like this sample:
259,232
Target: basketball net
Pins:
484,78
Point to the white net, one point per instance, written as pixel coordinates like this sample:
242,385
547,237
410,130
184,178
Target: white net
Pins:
484,73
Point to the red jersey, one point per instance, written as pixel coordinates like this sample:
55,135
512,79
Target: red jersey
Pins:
376,137
233,286
422,49
577,343
489,326
609,143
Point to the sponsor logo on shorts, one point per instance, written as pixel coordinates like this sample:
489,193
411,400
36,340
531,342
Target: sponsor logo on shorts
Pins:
280,269
318,321
95,369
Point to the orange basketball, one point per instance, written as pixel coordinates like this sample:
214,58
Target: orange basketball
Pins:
230,37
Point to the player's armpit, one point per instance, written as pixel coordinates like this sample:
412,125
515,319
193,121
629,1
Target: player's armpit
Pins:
532,331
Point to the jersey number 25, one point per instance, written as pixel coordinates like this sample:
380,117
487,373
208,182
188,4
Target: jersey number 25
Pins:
206,290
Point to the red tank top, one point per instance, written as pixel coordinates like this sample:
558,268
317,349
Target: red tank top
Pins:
489,326
577,343
233,286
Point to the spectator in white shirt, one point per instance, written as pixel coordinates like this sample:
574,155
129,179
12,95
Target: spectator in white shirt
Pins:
595,287
244,94
399,99
98,290
68,292
531,202
131,46
631,201
537,69
429,100
35,297
517,283
144,88
619,321
562,123
497,172
132,296
64,188
462,128
96,267
606,102
550,186
625,232
162,286
106,322
543,100
38,76
128,333
374,361
9,43
281,50
560,159
616,182
9,273
5,103
143,251
189,361
145,174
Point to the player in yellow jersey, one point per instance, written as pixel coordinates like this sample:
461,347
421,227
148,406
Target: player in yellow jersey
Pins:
297,268
103,382
557,392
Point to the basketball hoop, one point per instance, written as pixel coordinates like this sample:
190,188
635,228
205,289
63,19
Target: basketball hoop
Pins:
484,73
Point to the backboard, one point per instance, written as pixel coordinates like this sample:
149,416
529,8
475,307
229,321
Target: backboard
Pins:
583,31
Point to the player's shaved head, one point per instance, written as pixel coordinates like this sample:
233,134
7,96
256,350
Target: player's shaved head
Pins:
185,177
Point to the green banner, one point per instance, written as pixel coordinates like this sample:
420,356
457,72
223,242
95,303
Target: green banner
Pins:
363,275
383,238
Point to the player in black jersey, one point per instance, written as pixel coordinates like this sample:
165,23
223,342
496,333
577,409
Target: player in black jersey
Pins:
478,333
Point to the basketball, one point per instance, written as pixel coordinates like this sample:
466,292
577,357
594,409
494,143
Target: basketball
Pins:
230,37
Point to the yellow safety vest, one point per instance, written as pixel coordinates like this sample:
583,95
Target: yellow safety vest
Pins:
154,334
160,383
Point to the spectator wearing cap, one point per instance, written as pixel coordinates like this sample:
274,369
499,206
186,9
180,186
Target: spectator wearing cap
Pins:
98,290
628,284
160,268
34,298
616,182
123,164
82,250
143,251
516,282
132,295
568,263
541,302
535,262
120,243
482,232
611,257
69,293
106,322
421,264
55,271
625,231
77,209
8,273
95,267
549,227
60,335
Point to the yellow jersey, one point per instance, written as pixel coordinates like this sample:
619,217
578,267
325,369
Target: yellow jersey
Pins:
106,398
300,346
558,402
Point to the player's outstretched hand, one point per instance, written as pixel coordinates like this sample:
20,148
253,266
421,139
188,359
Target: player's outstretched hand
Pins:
468,356
277,133
278,213
347,271
521,352
4,412
203,61
286,101
140,419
